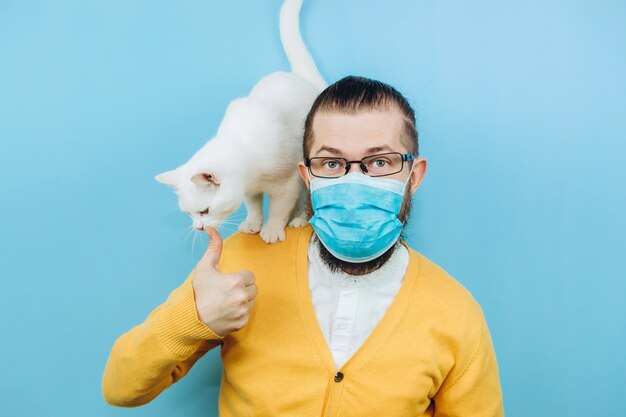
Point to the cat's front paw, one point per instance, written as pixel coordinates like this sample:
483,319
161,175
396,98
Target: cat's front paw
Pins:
250,227
298,222
272,234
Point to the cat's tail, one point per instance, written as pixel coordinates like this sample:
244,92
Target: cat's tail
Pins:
297,53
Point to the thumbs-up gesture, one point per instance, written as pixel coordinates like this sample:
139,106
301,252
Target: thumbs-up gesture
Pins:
223,301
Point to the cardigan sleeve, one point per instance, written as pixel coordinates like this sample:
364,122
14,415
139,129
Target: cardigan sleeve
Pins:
473,388
158,352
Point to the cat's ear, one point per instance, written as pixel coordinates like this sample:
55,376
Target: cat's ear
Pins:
169,178
205,179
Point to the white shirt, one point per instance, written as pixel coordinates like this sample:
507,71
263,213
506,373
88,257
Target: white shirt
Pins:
348,307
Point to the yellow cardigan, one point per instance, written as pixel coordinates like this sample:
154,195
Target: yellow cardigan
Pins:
430,355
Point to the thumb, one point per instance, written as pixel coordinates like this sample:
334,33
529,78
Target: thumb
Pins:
214,251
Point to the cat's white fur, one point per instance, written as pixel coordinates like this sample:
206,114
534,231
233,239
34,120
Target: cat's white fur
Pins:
256,148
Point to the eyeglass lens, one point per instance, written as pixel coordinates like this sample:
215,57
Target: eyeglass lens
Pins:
374,165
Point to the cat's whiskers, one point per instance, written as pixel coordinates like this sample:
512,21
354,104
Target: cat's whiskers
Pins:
230,223
227,230
227,226
235,219
193,242
191,229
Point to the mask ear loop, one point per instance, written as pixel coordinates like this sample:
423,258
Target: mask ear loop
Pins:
410,173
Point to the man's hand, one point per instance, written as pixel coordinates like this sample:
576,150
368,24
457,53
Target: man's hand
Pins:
223,301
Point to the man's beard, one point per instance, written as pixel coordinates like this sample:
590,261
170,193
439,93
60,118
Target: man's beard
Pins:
351,268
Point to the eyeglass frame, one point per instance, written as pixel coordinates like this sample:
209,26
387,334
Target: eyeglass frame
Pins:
406,157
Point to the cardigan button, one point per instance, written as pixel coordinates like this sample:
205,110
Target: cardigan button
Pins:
338,377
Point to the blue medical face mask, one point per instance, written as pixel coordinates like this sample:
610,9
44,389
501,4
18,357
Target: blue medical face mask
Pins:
356,216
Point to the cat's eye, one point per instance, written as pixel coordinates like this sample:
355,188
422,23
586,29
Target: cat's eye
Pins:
204,212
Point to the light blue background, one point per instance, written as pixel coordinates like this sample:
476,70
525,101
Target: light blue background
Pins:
521,114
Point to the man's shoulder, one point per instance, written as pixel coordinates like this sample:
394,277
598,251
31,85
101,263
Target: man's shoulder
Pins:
443,293
247,241
243,247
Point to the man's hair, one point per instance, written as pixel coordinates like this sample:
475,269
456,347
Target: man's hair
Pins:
353,95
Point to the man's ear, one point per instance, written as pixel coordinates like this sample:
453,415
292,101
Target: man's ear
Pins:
304,171
419,170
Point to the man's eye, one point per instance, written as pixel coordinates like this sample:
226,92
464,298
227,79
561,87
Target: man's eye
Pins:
204,212
330,164
379,163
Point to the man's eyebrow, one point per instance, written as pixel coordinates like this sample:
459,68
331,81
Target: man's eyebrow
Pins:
379,148
369,151
334,151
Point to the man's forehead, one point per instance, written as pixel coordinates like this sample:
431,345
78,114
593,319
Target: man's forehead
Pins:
362,133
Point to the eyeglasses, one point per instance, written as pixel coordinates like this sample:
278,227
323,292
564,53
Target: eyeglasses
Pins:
379,165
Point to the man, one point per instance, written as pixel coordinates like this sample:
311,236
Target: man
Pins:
341,318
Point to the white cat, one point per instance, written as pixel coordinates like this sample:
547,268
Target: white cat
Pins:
256,148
